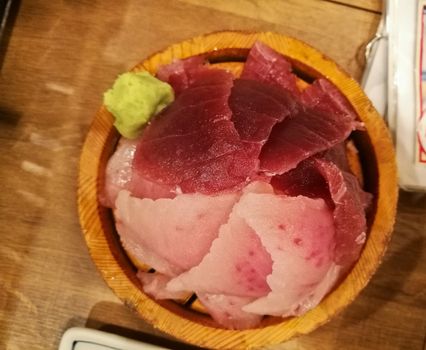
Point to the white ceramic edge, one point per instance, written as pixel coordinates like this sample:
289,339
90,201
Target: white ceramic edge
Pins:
87,335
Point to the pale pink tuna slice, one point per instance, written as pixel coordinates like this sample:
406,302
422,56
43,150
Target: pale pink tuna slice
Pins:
118,172
227,310
119,175
237,245
155,283
298,233
178,231
130,240
237,264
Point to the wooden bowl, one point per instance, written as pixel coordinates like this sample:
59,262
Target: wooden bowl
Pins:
377,159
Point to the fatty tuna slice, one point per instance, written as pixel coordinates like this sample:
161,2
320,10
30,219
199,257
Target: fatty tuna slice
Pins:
155,284
237,264
236,246
171,235
193,143
227,310
267,65
298,233
119,175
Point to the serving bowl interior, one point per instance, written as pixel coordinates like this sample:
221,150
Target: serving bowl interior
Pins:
376,155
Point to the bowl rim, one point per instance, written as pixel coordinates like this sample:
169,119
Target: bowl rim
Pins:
99,144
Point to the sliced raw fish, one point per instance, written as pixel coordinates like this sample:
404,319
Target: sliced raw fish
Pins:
323,95
179,73
119,175
349,213
155,283
257,107
337,155
193,143
298,233
227,310
325,118
236,246
118,172
309,132
305,180
267,65
171,235
237,264
320,178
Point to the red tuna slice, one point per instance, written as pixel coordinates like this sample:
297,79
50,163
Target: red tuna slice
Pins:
119,175
298,233
349,213
320,178
326,121
337,155
304,180
257,107
324,96
267,65
171,235
227,310
193,143
179,73
237,264
309,132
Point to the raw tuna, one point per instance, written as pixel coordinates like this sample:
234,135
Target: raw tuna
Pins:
246,248
227,310
298,233
320,178
236,245
237,264
155,284
171,235
266,65
257,107
295,139
119,175
349,213
193,143
118,172
305,180
179,73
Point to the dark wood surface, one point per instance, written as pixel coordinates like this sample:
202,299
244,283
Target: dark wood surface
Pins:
61,56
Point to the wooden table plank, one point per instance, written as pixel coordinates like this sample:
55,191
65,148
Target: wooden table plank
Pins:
341,32
60,59
369,5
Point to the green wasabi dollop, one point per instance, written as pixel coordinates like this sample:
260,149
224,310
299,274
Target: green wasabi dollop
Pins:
134,98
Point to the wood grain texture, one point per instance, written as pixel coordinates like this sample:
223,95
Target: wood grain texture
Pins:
370,5
333,28
378,162
61,57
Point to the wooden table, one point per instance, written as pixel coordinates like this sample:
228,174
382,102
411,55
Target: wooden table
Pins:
57,60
